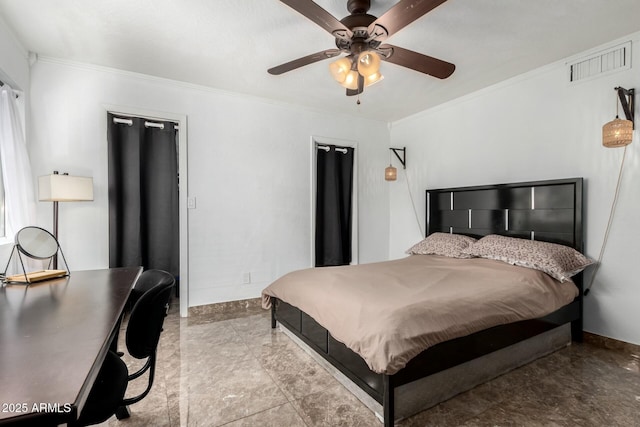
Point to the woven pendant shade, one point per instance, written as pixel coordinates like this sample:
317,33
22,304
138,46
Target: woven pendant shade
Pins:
617,133
390,173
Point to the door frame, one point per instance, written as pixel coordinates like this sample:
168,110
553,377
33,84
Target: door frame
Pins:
183,187
323,140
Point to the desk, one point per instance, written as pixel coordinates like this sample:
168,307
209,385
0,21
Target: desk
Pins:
54,336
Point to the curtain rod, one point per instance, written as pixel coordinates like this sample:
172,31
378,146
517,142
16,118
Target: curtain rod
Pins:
327,148
2,84
148,124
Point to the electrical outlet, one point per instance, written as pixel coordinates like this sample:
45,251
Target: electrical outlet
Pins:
246,278
191,202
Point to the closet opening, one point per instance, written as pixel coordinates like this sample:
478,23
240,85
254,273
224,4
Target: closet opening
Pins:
147,195
334,204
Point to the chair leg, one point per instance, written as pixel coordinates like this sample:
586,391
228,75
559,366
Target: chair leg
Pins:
122,412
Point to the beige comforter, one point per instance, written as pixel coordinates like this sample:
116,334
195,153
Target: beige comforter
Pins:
389,312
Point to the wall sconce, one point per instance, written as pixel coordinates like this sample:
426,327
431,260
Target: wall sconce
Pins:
63,188
618,132
391,173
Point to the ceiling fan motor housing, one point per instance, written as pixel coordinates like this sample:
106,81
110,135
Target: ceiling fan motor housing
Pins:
358,24
358,6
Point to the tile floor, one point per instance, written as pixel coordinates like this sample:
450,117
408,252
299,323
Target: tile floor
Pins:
231,369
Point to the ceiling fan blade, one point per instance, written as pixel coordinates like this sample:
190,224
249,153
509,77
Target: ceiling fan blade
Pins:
321,17
305,60
416,61
399,16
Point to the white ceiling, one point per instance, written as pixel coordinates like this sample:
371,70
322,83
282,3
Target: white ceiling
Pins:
230,44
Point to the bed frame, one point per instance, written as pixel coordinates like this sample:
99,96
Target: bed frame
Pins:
543,210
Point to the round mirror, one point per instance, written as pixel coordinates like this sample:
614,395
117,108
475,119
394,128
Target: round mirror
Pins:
36,242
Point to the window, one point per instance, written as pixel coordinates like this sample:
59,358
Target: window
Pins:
2,210
16,206
3,229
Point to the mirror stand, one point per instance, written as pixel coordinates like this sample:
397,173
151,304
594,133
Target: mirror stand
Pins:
35,243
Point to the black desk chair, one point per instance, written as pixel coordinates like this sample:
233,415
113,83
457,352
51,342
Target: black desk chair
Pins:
148,280
107,396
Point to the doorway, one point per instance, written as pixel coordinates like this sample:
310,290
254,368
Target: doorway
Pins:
334,202
148,193
143,194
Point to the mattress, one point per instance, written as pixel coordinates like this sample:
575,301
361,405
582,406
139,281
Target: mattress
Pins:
389,312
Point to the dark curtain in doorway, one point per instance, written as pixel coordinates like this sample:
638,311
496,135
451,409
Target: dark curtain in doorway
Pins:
334,188
143,196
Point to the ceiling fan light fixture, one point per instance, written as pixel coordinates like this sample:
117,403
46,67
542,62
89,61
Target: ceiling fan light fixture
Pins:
368,63
374,78
340,69
360,35
351,80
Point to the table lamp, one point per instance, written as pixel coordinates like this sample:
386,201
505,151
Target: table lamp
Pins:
63,188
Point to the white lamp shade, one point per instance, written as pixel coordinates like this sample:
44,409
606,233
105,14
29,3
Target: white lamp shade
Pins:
65,188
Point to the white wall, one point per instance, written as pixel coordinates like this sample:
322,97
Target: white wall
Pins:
14,64
533,127
248,167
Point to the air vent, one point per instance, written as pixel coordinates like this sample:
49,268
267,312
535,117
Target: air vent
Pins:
613,59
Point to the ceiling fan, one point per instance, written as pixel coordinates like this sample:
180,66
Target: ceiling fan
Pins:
360,36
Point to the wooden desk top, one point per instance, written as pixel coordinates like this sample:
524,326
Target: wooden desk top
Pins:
54,336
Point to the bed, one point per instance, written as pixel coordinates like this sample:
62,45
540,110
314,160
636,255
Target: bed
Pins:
542,211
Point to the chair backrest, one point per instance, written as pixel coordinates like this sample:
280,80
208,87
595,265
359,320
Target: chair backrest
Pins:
148,313
147,280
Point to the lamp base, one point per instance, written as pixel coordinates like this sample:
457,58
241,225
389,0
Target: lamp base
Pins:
54,260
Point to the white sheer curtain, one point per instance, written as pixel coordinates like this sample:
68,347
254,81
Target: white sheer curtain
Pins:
20,201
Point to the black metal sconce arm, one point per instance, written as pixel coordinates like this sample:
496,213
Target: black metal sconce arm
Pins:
627,104
402,159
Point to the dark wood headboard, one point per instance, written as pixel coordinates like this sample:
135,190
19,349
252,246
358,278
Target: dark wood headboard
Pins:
549,211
